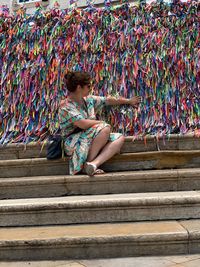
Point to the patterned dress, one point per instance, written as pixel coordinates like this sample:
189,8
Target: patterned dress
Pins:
77,141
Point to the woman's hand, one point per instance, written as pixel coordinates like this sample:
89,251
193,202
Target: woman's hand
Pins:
135,101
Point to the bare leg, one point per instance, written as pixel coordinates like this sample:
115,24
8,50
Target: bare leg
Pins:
109,150
98,143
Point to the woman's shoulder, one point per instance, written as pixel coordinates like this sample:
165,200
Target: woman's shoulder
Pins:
63,103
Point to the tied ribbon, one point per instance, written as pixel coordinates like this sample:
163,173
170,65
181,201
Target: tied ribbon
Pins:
4,10
73,4
150,51
90,3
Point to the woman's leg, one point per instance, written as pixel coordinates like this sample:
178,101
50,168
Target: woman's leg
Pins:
109,150
98,143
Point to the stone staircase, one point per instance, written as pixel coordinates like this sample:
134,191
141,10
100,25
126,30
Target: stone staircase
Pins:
148,203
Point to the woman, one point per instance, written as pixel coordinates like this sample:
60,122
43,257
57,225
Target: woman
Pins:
88,141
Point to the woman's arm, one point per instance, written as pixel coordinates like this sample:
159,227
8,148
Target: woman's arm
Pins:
86,123
134,101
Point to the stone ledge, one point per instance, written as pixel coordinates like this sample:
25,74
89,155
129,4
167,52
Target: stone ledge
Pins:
115,183
193,228
122,162
154,160
100,208
93,241
33,167
150,143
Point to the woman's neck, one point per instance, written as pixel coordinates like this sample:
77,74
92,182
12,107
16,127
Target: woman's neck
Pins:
76,97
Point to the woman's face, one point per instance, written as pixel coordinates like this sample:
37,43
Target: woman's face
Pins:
86,89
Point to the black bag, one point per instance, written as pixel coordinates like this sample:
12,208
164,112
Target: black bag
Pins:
55,147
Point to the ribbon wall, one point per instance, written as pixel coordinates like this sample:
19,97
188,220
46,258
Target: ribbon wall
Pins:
152,51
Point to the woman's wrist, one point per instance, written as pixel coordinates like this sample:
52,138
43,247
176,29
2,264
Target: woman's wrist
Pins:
123,101
118,100
127,101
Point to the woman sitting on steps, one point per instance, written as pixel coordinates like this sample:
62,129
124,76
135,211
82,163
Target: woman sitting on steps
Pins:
88,141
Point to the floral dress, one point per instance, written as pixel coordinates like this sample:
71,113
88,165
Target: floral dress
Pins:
77,141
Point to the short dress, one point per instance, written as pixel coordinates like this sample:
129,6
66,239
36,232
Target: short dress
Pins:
77,141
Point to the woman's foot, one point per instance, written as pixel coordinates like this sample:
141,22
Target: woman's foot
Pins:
91,169
99,171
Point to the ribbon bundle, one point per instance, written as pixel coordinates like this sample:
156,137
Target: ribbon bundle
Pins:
152,51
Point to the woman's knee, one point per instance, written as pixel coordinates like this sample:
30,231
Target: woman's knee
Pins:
106,131
122,139
104,135
120,142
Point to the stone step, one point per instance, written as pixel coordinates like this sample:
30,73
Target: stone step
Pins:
110,183
154,160
33,167
123,162
150,143
100,208
100,240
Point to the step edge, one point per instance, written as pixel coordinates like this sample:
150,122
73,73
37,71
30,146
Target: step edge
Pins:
179,232
101,204
124,155
109,177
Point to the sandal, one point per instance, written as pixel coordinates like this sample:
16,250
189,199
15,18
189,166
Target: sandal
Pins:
99,171
90,168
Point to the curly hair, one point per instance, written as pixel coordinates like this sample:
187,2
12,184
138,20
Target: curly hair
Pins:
75,78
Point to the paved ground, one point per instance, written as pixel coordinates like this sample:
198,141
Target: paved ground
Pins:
165,261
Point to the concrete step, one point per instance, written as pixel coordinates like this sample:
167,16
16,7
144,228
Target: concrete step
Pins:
150,143
100,240
110,183
154,160
122,162
100,208
33,167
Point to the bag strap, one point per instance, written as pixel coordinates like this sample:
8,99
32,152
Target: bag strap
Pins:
86,107
62,148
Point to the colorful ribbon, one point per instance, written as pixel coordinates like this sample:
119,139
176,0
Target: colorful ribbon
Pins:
152,51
